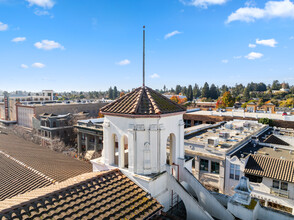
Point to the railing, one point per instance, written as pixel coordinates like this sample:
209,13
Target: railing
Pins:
280,192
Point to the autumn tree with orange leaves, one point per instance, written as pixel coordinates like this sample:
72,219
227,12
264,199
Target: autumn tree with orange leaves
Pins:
178,99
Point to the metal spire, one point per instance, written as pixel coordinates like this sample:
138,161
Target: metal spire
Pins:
143,55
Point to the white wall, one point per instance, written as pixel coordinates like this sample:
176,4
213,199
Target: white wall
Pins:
147,139
25,116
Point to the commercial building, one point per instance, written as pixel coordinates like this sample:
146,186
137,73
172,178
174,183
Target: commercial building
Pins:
210,144
8,112
26,112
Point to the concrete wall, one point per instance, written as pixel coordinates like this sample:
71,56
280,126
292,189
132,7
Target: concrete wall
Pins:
25,116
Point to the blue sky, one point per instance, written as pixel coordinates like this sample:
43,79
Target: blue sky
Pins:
93,44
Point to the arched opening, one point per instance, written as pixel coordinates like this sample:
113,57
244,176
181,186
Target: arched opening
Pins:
115,149
170,149
124,152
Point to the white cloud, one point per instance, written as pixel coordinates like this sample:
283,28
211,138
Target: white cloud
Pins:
252,45
3,27
38,65
237,57
254,55
291,38
41,13
42,3
270,42
123,62
225,61
48,45
171,34
18,39
24,66
203,3
154,75
272,9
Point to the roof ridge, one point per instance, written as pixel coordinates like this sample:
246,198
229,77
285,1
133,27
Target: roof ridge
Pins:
153,103
138,100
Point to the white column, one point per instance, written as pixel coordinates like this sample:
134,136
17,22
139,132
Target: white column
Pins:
121,153
180,141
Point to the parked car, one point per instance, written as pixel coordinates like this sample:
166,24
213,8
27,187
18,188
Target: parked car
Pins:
284,113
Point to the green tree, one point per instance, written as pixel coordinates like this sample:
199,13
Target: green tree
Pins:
213,92
115,93
178,89
205,91
196,91
190,93
276,85
110,93
246,94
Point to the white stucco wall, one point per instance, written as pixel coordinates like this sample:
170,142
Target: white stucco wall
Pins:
147,139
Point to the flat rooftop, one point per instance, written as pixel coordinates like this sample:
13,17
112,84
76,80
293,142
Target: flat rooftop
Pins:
222,139
243,114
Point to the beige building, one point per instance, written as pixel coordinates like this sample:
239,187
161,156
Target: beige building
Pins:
26,112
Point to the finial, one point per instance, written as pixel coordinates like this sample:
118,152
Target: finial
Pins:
143,55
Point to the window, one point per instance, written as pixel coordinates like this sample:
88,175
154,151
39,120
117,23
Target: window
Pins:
284,186
280,185
276,184
203,165
235,171
214,167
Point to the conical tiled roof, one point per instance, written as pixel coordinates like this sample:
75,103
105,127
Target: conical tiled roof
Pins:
142,101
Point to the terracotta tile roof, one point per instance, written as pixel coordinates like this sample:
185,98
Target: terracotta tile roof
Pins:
270,167
109,195
16,179
142,101
53,164
272,139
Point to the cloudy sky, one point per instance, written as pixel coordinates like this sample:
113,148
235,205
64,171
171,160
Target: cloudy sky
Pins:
90,45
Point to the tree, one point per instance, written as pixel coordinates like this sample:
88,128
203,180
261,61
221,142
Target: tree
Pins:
190,93
276,85
196,91
246,94
213,92
178,100
115,94
184,90
225,101
164,88
121,94
205,91
178,89
110,93
224,89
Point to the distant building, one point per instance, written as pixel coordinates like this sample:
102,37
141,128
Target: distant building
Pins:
26,112
266,108
90,135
